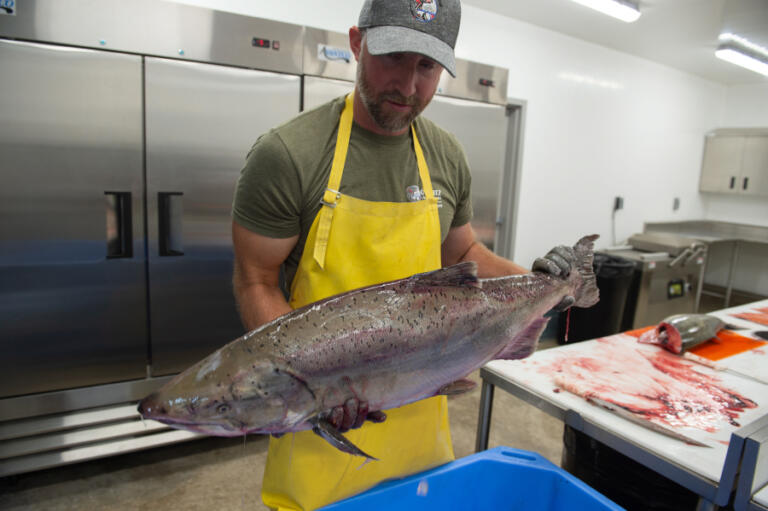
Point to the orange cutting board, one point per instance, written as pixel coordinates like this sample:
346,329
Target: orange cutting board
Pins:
725,345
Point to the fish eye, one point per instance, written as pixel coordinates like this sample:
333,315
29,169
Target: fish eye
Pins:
223,408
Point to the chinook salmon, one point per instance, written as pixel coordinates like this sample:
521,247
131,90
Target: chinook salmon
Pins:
389,344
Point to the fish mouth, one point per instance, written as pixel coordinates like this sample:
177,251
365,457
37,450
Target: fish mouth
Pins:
208,428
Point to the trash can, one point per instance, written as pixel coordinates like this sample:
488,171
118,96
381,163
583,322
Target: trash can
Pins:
614,277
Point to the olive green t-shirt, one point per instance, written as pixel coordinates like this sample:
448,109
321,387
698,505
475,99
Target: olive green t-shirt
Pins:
279,190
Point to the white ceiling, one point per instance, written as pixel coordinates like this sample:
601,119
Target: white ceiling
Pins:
682,34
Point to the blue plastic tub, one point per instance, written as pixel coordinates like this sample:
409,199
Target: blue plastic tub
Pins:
500,478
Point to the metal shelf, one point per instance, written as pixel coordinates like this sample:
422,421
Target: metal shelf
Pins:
49,441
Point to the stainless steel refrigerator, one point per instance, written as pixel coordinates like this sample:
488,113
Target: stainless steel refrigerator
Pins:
123,129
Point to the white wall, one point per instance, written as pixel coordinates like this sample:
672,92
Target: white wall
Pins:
336,15
599,123
747,106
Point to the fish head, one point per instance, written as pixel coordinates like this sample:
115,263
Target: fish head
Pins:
664,335
222,396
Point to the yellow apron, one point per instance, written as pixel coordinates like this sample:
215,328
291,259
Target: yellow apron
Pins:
368,243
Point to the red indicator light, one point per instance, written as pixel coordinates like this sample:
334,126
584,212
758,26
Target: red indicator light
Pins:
260,43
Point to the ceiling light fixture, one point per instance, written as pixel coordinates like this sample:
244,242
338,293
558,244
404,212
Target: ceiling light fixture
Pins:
731,53
621,9
742,52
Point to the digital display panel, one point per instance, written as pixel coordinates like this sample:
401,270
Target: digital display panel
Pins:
260,42
675,289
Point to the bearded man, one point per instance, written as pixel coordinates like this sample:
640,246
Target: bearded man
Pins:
359,191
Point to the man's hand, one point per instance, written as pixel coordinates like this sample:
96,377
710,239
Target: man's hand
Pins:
353,414
350,416
558,262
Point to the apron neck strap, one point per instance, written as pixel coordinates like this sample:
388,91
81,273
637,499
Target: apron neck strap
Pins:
340,155
342,144
332,195
426,183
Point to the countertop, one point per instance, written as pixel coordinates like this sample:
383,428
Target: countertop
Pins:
710,231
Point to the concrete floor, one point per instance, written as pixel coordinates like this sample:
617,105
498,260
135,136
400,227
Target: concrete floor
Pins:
225,474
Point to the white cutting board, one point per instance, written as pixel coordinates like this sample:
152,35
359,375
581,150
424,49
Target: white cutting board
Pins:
753,362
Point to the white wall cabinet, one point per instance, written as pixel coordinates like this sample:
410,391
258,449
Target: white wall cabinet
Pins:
754,165
735,162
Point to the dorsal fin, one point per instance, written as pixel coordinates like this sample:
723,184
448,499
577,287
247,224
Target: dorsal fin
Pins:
459,275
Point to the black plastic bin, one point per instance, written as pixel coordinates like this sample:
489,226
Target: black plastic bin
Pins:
614,277
622,479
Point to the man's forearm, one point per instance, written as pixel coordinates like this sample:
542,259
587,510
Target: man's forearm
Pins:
259,304
489,264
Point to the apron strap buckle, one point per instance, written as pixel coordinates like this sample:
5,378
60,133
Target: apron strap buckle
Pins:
330,197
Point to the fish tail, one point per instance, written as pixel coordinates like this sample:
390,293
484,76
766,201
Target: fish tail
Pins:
586,294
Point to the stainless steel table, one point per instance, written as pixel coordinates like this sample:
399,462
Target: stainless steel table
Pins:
708,472
709,232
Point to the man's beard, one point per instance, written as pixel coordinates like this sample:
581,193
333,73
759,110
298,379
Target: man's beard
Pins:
386,120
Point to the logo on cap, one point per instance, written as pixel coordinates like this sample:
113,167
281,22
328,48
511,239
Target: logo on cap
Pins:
424,10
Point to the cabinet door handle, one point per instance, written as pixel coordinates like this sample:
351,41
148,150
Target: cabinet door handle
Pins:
745,184
119,225
733,182
170,213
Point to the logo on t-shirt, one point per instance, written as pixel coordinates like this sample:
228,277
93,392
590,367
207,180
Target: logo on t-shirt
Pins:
415,193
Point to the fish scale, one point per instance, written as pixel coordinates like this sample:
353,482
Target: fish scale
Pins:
387,345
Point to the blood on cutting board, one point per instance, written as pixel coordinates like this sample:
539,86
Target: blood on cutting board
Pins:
650,382
758,315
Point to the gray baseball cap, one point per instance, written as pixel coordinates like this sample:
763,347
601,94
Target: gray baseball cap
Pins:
427,27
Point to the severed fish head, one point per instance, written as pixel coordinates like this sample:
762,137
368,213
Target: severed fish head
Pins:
681,332
224,395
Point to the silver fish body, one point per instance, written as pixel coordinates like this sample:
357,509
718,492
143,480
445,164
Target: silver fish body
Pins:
682,332
388,344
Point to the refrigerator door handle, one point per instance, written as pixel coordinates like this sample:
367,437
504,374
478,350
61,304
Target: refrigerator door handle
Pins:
119,225
170,211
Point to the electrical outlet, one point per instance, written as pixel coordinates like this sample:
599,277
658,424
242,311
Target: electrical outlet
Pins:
676,204
618,203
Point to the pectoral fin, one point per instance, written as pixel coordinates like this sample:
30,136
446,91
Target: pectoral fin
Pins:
324,428
524,343
457,387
